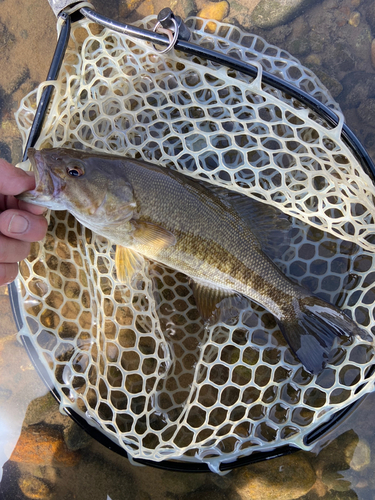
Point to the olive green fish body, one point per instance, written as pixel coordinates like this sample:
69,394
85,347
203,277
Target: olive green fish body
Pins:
213,243
168,217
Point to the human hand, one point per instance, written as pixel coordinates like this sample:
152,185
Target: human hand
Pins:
20,223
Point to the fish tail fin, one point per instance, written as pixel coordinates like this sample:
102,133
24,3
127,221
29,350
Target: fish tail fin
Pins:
311,326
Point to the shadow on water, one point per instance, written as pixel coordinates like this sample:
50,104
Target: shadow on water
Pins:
53,457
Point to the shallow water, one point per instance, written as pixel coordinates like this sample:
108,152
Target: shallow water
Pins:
42,466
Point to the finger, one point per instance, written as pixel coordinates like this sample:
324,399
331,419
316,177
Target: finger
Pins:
7,202
13,250
14,180
8,273
22,225
33,209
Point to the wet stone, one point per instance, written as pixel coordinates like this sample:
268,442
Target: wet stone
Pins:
332,84
172,484
334,481
358,85
299,46
270,13
370,14
366,111
355,19
75,438
341,495
43,446
39,408
33,487
285,478
336,456
358,455
214,10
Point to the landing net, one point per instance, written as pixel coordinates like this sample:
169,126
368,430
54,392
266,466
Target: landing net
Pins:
137,362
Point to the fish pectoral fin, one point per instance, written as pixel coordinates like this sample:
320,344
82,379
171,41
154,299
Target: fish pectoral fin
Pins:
147,233
215,303
127,263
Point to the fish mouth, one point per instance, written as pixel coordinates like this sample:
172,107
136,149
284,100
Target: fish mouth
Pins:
44,193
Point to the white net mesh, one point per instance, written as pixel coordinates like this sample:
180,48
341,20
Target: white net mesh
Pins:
138,363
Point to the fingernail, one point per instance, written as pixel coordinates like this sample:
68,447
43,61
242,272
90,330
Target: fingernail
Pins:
18,224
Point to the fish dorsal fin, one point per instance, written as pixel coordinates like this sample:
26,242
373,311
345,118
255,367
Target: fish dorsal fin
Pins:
149,234
270,226
213,302
127,263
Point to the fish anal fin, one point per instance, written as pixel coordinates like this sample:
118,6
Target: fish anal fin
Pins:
215,303
152,235
127,263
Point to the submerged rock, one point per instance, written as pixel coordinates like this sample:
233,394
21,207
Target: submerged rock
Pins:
335,481
358,86
33,487
373,53
43,446
125,8
370,14
332,84
214,10
358,455
167,484
355,19
335,458
270,13
75,438
366,111
285,478
299,46
39,408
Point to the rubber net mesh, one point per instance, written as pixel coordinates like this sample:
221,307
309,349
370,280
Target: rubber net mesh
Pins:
138,363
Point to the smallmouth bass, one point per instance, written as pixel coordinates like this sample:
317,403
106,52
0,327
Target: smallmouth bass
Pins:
163,215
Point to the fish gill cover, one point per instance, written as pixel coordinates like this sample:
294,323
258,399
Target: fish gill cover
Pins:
138,362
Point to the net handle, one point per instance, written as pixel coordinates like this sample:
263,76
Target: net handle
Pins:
58,56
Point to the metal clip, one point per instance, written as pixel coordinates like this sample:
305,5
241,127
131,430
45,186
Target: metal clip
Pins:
166,17
172,26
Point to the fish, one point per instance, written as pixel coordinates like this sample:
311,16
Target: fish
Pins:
207,233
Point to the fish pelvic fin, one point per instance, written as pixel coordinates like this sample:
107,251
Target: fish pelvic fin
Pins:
127,263
311,327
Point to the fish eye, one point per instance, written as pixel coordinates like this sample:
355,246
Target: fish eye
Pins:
75,171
